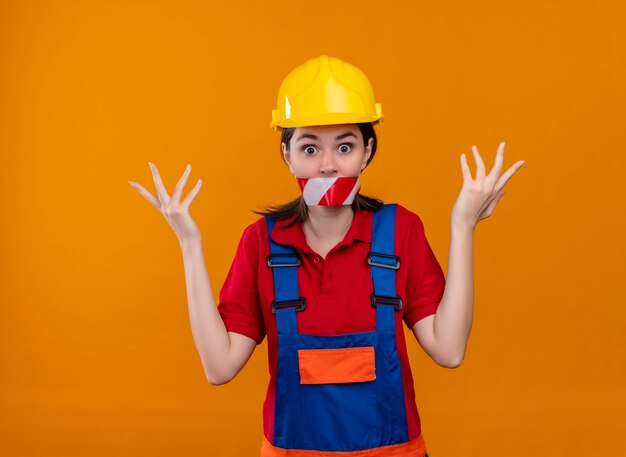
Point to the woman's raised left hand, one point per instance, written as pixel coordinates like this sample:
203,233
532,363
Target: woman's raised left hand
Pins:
479,196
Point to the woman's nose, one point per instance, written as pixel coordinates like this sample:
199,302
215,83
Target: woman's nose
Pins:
328,164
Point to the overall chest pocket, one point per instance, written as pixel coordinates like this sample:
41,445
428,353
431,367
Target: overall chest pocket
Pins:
338,392
336,366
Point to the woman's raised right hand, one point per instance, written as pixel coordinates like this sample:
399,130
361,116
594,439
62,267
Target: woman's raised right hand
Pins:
175,212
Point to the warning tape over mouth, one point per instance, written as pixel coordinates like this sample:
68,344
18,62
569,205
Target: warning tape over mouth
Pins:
335,191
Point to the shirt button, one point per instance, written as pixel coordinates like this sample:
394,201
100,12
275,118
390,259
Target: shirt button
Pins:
316,259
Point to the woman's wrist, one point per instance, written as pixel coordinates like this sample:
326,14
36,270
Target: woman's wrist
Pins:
191,242
461,226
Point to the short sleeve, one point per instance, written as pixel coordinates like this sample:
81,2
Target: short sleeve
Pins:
239,303
425,279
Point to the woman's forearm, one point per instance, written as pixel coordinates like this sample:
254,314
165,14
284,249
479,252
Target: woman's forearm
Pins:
453,320
207,326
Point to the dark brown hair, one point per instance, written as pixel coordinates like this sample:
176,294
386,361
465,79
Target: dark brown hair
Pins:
298,207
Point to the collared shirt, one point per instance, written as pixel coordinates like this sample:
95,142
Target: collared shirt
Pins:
337,290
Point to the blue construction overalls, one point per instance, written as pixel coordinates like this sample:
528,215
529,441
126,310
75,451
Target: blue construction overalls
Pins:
313,411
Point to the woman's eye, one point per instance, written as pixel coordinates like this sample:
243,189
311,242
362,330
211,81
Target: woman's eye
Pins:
309,150
345,148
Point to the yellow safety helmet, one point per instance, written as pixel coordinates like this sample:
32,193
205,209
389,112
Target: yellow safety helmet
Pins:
323,91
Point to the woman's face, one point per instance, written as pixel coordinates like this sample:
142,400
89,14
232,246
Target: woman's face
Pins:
327,151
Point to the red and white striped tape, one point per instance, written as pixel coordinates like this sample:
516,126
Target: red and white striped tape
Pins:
336,191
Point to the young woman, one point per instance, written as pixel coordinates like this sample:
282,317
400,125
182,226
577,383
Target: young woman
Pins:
331,277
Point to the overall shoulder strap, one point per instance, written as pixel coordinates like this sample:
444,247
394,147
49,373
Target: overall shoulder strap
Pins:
284,262
384,264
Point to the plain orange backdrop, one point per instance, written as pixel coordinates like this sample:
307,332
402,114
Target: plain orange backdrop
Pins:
96,349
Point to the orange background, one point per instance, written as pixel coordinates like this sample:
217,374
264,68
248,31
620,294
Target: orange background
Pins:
96,350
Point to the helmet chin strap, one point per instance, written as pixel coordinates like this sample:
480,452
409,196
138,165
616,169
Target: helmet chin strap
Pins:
337,191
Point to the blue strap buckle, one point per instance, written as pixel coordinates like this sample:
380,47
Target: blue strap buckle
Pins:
299,304
381,260
283,260
381,300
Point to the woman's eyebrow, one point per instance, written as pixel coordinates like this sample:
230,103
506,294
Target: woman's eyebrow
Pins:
310,136
345,135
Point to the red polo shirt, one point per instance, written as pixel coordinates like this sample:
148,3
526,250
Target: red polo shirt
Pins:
337,291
